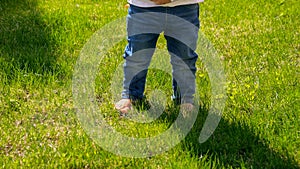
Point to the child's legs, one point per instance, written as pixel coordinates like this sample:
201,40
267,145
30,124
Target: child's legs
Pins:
143,29
181,42
183,60
138,54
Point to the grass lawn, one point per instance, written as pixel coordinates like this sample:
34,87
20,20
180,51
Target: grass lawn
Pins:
258,42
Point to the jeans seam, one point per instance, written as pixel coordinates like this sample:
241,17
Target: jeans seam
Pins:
166,19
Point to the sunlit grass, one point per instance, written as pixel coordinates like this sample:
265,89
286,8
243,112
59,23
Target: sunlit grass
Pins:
258,42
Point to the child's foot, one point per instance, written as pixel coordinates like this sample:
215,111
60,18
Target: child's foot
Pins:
123,106
186,108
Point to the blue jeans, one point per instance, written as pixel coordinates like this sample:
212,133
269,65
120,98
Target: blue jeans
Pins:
144,26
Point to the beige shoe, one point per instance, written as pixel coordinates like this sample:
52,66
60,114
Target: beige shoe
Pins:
123,106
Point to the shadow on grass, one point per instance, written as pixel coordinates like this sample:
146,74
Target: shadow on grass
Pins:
25,45
235,143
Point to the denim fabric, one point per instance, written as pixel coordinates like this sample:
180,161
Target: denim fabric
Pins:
181,43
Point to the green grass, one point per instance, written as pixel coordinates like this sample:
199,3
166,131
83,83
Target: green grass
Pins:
258,42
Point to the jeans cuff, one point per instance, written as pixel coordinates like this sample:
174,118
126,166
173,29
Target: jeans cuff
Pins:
131,97
187,100
125,96
178,100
